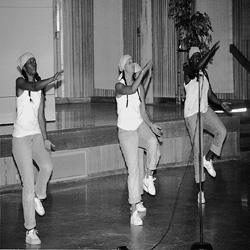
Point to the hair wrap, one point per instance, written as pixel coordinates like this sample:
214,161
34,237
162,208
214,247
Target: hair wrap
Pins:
192,51
23,59
123,61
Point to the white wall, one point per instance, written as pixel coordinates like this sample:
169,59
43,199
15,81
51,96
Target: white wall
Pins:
25,25
221,71
108,42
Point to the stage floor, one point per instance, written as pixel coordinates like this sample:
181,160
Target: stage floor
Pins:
94,213
78,115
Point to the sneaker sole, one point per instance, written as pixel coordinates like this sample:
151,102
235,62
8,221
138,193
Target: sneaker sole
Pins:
141,224
139,211
142,211
41,214
37,243
213,175
146,189
37,211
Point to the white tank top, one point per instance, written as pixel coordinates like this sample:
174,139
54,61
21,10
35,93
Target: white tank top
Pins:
191,105
27,114
129,118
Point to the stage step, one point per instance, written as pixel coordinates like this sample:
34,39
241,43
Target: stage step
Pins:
94,151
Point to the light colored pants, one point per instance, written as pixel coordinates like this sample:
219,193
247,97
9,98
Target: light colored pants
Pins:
213,124
25,150
144,138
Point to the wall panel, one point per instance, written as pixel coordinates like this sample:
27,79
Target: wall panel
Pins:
131,28
167,62
242,43
108,43
25,26
76,51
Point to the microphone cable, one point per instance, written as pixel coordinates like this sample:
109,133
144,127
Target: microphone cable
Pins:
183,177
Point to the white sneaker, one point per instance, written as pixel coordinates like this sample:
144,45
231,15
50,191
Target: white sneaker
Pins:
32,238
39,207
148,185
139,207
135,219
209,167
202,198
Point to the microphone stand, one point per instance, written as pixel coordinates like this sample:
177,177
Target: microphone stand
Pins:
201,245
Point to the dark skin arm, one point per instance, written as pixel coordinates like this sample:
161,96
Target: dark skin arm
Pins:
207,57
213,98
22,84
197,63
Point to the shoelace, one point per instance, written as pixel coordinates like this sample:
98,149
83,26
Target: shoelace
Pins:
140,204
35,231
211,164
153,179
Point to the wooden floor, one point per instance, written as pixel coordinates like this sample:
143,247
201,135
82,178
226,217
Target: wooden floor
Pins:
94,213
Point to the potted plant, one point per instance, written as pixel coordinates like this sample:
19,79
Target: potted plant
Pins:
193,29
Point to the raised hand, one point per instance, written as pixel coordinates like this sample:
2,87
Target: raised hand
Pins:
147,66
215,47
58,75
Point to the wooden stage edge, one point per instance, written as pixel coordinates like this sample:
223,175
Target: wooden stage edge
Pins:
94,151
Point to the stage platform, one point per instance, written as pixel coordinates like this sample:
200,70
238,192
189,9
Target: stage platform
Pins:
85,135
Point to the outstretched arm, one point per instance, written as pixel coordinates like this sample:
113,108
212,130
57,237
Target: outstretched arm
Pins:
191,70
121,89
23,84
207,57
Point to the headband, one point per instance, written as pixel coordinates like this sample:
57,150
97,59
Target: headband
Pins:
23,59
192,51
123,61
